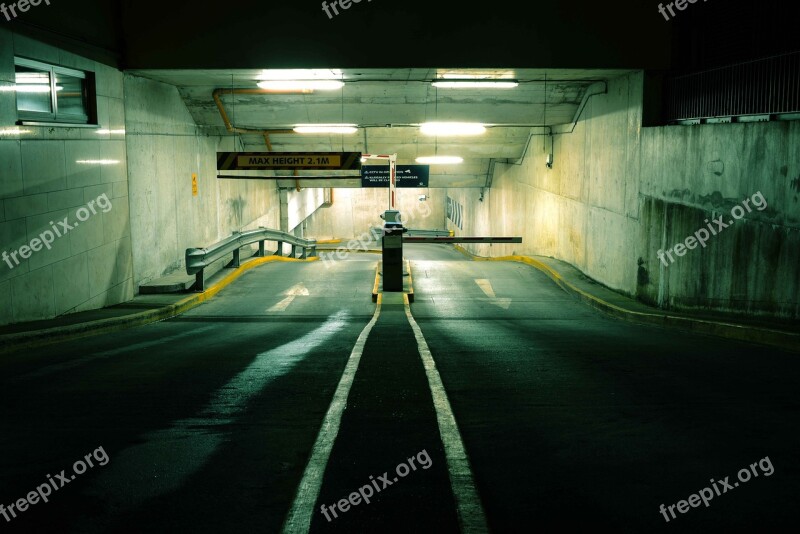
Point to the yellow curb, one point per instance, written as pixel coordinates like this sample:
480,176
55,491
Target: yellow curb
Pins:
738,332
38,338
410,293
376,287
329,241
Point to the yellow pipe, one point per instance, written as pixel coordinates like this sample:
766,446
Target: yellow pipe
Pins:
232,129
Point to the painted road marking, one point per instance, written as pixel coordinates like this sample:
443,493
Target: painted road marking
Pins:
486,287
488,290
292,293
299,518
471,516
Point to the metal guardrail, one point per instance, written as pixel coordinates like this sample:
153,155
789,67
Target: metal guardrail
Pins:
197,259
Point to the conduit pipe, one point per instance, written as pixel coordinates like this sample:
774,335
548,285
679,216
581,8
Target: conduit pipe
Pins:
233,129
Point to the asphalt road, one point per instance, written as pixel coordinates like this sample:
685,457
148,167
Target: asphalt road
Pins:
207,422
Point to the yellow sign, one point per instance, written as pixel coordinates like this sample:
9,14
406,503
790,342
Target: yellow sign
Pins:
194,185
295,161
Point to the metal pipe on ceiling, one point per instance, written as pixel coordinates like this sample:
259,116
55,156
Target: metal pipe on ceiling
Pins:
233,129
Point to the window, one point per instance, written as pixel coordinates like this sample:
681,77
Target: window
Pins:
47,93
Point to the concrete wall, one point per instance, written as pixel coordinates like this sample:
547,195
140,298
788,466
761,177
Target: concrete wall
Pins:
165,148
618,193
299,206
355,211
103,260
42,181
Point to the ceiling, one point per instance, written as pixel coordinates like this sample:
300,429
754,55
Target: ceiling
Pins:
388,105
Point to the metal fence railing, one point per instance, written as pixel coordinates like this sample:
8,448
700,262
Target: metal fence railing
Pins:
769,86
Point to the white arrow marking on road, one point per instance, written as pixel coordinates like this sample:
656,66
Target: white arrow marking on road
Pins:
292,293
486,287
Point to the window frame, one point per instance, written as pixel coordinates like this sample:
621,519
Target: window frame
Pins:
54,118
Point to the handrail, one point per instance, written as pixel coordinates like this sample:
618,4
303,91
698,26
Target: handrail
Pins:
197,259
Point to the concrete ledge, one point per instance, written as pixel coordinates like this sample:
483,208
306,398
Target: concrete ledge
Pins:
730,330
174,283
48,336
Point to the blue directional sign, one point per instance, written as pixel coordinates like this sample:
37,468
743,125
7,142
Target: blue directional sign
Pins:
407,175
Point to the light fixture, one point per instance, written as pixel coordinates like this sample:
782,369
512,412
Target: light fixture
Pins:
475,84
452,128
105,131
300,74
301,85
440,160
301,79
97,161
325,129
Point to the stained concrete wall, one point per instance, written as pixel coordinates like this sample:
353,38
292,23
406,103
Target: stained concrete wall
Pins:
618,193
41,180
165,148
355,211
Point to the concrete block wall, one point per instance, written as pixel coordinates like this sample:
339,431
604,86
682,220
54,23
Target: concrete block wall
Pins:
355,211
618,193
41,181
165,148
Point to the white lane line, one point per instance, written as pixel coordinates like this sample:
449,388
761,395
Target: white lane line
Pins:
471,516
299,518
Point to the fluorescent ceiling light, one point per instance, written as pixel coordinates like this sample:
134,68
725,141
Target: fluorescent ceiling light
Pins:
440,160
97,161
452,128
301,79
107,132
475,84
301,85
301,74
325,129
